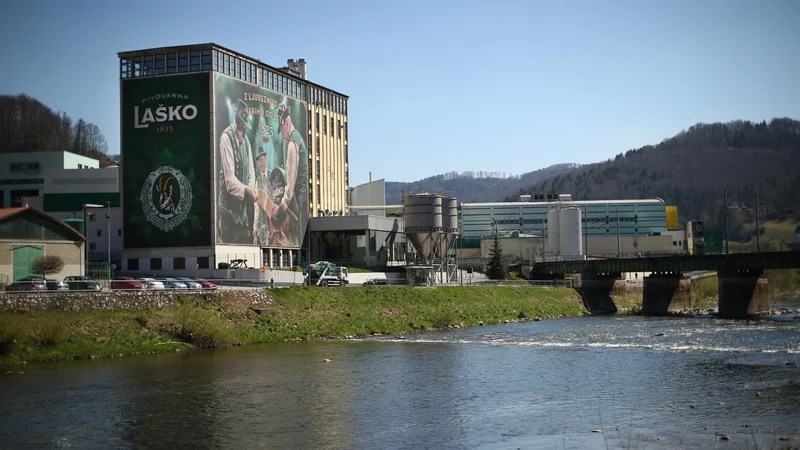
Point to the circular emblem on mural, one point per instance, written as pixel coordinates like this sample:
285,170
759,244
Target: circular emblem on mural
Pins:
166,197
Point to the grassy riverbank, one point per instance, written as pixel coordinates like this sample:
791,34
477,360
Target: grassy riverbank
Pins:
298,313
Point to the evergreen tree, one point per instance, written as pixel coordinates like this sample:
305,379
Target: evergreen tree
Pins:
497,269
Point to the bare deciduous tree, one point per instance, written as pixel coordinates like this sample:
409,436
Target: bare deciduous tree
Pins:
47,265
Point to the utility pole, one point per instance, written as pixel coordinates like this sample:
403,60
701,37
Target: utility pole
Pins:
725,200
542,237
460,259
619,243
758,226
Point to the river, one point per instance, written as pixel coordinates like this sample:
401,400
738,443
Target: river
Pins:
646,382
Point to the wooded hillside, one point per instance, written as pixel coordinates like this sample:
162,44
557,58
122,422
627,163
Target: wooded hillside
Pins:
474,186
27,125
690,169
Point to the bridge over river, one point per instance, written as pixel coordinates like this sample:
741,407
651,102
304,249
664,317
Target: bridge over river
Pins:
743,288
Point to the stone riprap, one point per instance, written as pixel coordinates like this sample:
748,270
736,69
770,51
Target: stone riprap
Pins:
81,301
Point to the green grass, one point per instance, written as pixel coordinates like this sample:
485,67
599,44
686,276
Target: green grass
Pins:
705,292
629,301
81,335
313,313
300,313
783,280
774,233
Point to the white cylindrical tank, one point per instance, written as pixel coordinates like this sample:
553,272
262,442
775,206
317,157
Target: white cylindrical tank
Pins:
553,232
570,233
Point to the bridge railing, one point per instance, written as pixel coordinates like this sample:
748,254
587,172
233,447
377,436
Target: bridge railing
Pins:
739,249
763,248
627,255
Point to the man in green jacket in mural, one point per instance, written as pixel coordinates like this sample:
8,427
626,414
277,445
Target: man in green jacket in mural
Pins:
236,182
295,158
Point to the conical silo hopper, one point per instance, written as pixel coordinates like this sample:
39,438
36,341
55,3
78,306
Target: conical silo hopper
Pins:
423,222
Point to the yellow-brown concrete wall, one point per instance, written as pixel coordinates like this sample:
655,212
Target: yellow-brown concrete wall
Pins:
328,188
70,252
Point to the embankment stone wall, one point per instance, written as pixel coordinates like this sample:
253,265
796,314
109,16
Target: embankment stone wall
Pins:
82,301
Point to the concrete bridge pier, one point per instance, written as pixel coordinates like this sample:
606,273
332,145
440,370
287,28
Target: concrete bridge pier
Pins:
665,292
595,289
742,293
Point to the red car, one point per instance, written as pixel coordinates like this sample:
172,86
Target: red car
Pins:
127,283
205,283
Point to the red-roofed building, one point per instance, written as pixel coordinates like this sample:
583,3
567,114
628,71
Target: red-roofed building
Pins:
27,233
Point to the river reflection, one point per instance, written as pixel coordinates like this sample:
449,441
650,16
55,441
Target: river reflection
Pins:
648,382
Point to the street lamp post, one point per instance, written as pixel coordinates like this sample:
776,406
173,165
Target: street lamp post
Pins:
108,219
86,225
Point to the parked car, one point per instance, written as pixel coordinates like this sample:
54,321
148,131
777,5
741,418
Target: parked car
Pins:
127,283
56,285
31,283
190,284
206,284
171,283
377,282
152,283
80,283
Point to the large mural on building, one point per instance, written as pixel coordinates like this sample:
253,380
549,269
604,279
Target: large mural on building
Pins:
166,164
261,165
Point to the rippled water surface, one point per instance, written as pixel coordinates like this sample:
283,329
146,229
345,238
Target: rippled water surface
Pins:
647,382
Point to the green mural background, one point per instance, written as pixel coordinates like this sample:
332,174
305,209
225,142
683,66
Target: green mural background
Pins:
157,134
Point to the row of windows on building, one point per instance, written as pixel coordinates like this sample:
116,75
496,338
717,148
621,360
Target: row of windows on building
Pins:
203,262
24,167
311,154
231,65
340,127
165,63
591,211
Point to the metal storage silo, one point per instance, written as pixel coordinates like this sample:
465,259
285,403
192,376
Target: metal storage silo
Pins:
570,232
553,232
423,222
450,215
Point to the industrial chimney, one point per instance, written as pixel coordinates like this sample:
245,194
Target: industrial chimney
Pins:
297,66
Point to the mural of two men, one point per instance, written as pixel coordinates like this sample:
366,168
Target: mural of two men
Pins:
262,186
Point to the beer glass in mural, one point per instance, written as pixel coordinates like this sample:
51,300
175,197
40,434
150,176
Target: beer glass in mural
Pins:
261,165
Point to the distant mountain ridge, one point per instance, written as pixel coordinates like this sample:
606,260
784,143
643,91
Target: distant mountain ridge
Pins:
474,187
690,169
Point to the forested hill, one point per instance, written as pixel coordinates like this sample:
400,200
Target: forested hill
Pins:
27,125
473,186
690,169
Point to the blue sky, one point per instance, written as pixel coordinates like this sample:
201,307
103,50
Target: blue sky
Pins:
505,86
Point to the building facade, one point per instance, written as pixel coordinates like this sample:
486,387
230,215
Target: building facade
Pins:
66,191
608,228
372,195
599,217
27,233
22,174
224,156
